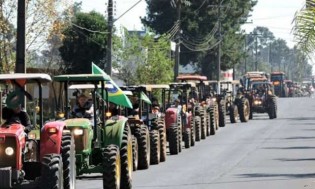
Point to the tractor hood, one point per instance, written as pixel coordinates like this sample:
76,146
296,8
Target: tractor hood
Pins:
113,131
16,130
78,122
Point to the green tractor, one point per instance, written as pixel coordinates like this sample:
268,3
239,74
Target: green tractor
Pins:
103,145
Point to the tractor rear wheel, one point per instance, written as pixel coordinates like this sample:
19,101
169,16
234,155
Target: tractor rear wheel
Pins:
68,161
173,139
244,110
155,147
212,121
135,153
126,159
222,114
192,132
233,113
144,148
187,138
51,172
111,167
197,121
272,108
162,131
203,125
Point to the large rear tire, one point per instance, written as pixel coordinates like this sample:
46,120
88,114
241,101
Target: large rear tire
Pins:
212,121
173,139
68,161
203,124
51,172
233,113
192,132
197,121
111,167
163,141
155,147
187,138
144,148
222,113
244,110
126,159
135,153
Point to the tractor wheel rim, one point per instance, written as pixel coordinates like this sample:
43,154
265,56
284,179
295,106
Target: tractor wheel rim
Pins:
129,158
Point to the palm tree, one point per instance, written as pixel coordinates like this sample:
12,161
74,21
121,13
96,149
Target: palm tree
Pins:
304,27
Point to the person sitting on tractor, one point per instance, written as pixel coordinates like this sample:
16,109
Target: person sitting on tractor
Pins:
13,112
113,109
156,110
83,108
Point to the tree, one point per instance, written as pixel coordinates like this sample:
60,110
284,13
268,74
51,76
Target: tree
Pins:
304,28
199,26
40,16
84,42
144,60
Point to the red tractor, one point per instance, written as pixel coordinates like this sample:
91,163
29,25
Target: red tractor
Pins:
44,156
178,118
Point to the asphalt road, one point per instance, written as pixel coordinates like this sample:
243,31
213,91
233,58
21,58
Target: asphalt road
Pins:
263,153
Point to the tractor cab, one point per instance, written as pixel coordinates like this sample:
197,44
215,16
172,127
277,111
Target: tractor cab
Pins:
31,155
103,145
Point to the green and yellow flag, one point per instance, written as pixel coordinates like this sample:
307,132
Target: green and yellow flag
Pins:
115,94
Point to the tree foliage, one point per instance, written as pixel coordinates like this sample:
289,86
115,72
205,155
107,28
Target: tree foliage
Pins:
199,30
40,18
84,42
145,59
304,27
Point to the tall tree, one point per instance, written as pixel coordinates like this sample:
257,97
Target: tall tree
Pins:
84,42
145,59
199,29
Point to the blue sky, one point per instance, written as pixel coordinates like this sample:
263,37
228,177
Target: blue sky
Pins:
277,15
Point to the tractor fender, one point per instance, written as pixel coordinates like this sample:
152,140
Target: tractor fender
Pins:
51,135
113,131
170,117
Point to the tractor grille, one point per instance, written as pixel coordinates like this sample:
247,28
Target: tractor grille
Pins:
79,143
5,160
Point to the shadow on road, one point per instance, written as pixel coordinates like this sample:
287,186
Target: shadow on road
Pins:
298,137
260,175
299,118
290,148
303,159
90,177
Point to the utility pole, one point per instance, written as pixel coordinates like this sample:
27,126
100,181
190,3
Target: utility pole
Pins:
219,47
245,50
178,33
20,42
256,54
109,38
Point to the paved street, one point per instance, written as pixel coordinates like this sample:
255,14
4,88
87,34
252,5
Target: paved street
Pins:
262,153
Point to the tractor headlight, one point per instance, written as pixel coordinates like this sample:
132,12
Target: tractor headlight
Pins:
257,102
78,132
9,151
214,99
60,115
108,114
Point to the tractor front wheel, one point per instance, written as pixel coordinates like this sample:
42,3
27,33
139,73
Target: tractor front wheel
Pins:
244,110
111,167
187,138
162,131
51,172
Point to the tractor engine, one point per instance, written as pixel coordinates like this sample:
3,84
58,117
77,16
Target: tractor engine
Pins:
12,143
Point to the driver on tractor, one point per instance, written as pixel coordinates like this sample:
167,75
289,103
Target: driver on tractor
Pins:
83,108
13,112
